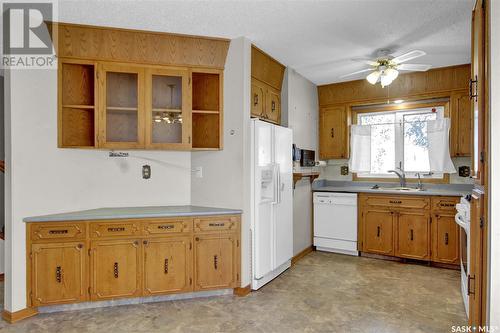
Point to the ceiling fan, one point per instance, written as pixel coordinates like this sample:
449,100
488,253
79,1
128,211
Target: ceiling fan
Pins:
386,67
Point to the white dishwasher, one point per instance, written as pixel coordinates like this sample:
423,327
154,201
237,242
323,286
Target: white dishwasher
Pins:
336,222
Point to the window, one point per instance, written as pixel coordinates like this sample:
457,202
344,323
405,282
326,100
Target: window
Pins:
399,139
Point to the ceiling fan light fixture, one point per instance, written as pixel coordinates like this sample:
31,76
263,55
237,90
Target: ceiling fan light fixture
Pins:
391,73
385,80
373,77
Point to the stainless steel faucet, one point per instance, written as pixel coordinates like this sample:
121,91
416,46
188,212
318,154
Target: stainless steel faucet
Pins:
401,176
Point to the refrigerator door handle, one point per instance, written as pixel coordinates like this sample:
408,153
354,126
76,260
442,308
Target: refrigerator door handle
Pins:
275,185
278,182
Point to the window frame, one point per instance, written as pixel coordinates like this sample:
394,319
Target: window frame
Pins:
411,176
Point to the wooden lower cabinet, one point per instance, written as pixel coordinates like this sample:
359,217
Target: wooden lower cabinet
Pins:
168,265
215,261
445,239
378,231
115,269
59,273
413,227
412,237
163,256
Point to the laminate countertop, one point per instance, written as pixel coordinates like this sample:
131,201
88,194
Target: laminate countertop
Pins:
385,188
133,213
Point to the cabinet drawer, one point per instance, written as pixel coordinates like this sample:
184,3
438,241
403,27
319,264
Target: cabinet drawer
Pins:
62,231
167,226
220,223
396,202
113,229
445,204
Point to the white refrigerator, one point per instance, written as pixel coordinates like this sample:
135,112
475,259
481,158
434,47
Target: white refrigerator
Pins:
272,205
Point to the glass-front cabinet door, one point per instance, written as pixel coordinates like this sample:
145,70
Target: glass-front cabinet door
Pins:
167,109
121,124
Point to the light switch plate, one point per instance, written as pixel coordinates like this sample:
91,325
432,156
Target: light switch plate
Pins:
198,172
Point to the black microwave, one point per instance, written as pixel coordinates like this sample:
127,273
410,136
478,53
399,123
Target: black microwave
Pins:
307,158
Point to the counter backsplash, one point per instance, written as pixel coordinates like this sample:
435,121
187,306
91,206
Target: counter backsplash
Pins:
332,171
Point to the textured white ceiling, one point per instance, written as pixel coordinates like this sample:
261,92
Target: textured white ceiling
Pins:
316,38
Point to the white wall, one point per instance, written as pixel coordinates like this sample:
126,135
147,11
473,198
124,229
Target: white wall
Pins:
43,179
226,182
494,189
302,117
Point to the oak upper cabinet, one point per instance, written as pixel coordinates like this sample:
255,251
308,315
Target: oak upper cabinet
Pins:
116,268
258,92
59,273
168,116
77,103
461,124
445,238
215,261
267,80
110,97
333,124
273,109
413,235
377,225
122,91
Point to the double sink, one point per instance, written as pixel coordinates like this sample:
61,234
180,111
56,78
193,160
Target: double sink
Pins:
397,188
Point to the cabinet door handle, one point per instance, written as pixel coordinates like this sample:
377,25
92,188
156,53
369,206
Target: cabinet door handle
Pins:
411,234
378,231
469,289
58,232
332,134
446,239
59,274
273,106
165,266
116,229
255,99
216,224
115,270
215,262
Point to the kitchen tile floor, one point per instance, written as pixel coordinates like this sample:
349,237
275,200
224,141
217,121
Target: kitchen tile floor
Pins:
323,293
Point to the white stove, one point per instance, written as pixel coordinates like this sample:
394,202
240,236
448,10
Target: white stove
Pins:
462,218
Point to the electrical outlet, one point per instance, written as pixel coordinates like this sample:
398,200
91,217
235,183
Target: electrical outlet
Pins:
146,171
464,171
344,170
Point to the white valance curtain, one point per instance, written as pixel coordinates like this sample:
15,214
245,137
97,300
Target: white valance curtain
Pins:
438,136
360,160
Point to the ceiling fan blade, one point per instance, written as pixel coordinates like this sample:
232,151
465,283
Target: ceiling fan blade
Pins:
357,72
366,61
408,56
414,67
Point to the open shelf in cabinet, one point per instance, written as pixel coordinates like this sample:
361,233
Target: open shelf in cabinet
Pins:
206,129
77,104
206,110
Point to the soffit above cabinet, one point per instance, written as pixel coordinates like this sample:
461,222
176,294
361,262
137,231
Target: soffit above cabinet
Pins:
135,46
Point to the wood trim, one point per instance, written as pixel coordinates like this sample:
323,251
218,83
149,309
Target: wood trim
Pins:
13,317
147,47
242,291
302,254
2,277
437,81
